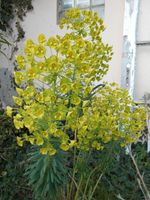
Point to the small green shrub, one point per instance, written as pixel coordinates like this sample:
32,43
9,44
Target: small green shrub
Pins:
13,184
119,173
121,178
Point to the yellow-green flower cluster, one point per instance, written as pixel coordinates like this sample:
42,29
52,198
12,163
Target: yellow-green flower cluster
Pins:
57,98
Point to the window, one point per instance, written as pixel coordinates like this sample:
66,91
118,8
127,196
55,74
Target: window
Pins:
95,5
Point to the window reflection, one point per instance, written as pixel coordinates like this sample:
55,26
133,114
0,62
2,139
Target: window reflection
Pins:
83,3
68,4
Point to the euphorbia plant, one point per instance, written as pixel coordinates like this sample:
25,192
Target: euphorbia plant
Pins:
57,93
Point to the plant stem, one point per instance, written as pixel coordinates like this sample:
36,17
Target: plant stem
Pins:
143,185
96,186
74,171
120,197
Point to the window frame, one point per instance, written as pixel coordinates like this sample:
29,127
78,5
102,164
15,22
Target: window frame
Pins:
61,10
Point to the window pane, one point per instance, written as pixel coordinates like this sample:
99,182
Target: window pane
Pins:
83,3
68,4
99,10
97,2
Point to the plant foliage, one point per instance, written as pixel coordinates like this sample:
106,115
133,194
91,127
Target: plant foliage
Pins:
13,185
121,178
9,10
62,98
119,174
46,175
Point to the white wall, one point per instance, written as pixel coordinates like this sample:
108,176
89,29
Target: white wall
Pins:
142,84
42,19
114,18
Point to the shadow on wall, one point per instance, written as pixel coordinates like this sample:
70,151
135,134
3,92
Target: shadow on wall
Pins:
7,87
